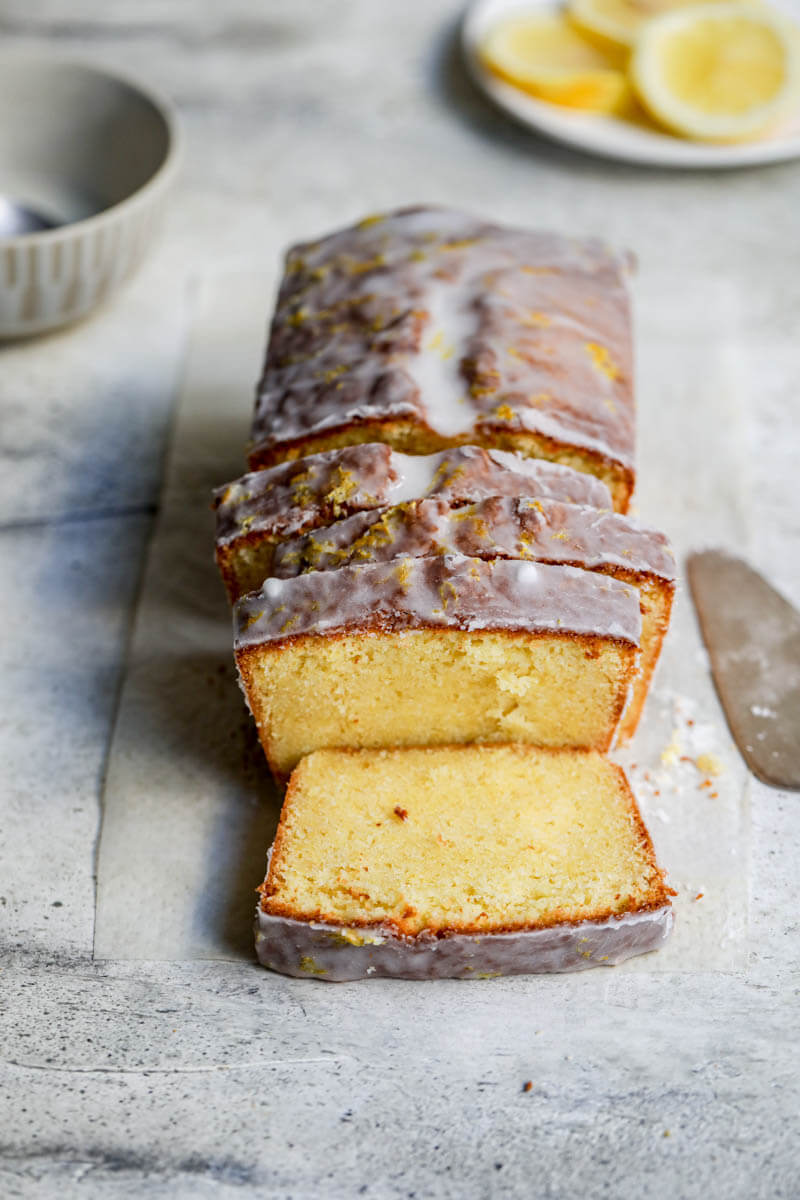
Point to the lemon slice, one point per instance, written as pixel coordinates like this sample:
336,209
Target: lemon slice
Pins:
617,23
719,73
543,55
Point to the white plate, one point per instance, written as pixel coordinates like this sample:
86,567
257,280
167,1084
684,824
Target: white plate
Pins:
604,135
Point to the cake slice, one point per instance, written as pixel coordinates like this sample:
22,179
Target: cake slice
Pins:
526,528
431,651
467,861
428,328
257,512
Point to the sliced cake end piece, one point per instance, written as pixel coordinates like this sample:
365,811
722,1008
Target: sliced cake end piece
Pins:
259,511
465,861
430,651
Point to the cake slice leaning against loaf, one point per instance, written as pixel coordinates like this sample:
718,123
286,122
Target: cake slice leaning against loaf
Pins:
257,512
431,651
466,861
540,529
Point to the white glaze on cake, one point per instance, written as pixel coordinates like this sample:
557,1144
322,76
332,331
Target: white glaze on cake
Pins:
500,527
449,591
335,953
436,369
455,325
294,496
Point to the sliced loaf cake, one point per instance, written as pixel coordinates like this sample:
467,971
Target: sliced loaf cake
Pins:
537,529
427,651
259,511
466,861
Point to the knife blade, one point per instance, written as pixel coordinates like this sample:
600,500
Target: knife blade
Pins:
752,635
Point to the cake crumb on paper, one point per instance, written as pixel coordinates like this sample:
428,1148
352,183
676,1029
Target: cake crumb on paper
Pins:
671,754
709,764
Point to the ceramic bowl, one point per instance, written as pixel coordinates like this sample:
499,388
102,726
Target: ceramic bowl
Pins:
96,153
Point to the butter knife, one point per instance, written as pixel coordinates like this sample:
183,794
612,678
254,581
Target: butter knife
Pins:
752,635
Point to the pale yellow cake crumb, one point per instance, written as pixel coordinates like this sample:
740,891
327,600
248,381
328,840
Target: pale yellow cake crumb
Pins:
672,753
709,764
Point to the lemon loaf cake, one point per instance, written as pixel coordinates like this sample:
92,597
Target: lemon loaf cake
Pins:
467,861
428,328
256,512
426,651
526,528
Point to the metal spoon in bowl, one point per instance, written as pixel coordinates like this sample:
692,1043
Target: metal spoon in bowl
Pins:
17,219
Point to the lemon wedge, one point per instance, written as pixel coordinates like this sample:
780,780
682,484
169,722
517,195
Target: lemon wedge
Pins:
543,55
717,73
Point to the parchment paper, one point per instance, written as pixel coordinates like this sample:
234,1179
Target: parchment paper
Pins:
189,810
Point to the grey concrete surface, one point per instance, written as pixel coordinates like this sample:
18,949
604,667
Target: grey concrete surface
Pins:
204,1079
